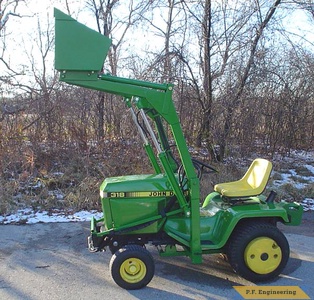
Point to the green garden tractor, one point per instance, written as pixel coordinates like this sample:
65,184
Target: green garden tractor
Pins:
163,208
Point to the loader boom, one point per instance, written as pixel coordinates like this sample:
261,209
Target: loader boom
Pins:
79,56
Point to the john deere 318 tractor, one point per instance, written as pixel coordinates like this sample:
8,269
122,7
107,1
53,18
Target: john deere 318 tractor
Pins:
163,208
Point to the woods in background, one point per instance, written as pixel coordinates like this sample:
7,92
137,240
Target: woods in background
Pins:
243,82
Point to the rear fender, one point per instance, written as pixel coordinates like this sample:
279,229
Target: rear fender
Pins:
287,213
294,213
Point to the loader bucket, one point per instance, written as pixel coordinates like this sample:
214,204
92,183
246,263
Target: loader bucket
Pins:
77,47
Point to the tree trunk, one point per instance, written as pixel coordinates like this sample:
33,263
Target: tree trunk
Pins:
234,104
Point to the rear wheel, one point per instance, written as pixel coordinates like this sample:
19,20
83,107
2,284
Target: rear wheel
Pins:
258,251
132,267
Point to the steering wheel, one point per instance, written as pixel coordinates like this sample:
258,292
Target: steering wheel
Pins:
199,165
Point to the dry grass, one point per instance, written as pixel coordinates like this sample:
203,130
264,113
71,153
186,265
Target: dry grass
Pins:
67,180
70,180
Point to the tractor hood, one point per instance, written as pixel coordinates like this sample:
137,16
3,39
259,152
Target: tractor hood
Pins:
128,201
136,186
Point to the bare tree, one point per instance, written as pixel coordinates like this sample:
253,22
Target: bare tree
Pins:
239,88
229,35
8,9
108,24
307,5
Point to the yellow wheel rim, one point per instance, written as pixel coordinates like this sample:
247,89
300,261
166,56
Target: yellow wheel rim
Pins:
133,270
262,255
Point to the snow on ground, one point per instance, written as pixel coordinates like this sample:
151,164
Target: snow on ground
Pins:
292,177
308,204
28,216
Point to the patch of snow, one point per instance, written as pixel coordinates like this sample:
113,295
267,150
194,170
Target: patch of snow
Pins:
287,178
58,173
310,168
28,216
300,185
308,204
56,193
302,154
37,185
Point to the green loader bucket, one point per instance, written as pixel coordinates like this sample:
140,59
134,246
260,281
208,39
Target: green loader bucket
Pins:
77,47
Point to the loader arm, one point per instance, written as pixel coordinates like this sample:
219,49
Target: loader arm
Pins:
79,56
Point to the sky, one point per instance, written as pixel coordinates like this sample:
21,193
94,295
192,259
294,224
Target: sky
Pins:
22,34
21,30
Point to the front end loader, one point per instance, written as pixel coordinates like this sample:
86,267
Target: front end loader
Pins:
163,208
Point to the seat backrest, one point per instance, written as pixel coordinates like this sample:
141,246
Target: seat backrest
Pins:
258,173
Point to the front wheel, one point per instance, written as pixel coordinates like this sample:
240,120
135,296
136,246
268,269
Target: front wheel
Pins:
258,251
132,267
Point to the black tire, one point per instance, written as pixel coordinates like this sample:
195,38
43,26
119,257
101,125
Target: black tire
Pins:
132,267
258,251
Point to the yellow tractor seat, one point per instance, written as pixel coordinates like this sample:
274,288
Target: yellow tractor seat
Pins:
252,183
